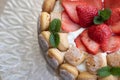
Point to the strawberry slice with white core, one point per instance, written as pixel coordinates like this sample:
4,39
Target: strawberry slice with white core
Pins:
111,3
115,16
67,24
116,28
70,8
91,45
95,3
79,44
112,45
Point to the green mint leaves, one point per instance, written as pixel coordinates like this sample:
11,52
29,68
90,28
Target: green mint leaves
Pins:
103,72
54,28
55,25
115,71
103,15
106,71
54,39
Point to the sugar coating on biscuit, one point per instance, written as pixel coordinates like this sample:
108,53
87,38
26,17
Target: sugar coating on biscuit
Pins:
93,63
114,59
53,62
74,56
66,75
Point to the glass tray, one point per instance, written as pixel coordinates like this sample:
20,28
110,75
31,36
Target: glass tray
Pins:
20,55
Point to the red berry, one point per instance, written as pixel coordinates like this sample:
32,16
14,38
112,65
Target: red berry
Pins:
70,8
115,16
116,28
112,45
100,33
95,3
86,14
111,3
79,44
91,46
67,24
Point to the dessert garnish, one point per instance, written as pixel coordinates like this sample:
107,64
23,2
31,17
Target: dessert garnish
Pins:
82,38
107,70
103,15
54,28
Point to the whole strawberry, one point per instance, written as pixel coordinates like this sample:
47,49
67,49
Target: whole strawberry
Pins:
86,14
100,33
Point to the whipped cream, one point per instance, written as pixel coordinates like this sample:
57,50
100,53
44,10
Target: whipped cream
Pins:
73,35
82,67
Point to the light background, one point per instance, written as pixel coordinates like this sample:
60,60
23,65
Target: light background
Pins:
20,55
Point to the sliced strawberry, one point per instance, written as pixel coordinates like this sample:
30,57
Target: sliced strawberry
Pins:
79,44
86,14
70,8
91,45
116,28
67,24
115,16
95,3
112,45
111,3
70,0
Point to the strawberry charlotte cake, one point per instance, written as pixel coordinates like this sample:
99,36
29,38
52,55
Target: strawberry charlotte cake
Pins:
80,39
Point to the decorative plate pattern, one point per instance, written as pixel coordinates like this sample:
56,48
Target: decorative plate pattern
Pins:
20,56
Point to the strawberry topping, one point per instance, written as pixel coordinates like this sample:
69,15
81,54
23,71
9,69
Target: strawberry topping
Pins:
92,46
112,45
96,3
67,24
86,15
111,3
103,25
70,8
115,16
79,44
100,33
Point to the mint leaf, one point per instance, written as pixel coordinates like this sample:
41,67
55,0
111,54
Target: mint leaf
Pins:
98,20
54,39
55,25
115,71
54,28
106,71
105,14
103,72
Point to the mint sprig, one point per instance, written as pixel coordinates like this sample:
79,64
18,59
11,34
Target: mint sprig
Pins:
103,72
103,15
98,20
106,71
54,39
55,25
115,71
54,28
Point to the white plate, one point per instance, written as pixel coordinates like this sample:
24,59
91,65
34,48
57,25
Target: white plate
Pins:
20,55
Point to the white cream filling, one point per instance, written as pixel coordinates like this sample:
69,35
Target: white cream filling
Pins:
82,67
73,35
103,58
